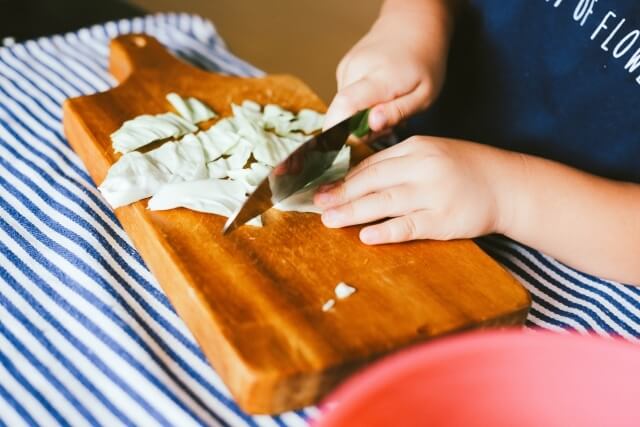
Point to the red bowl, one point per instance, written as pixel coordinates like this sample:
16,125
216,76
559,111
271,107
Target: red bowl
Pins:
508,378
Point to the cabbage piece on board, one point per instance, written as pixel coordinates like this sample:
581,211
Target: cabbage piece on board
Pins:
240,155
277,119
308,121
277,148
250,177
220,139
185,159
250,125
191,109
217,196
133,177
145,129
218,169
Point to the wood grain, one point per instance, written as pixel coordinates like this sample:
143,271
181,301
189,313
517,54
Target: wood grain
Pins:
253,298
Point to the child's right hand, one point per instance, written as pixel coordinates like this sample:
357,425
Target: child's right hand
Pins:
396,68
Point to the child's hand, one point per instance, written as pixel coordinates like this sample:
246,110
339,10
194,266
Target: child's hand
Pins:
396,68
432,188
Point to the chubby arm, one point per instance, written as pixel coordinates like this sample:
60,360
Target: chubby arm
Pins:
398,67
433,188
588,222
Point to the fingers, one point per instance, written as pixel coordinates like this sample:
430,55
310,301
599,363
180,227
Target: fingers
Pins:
328,186
402,229
378,119
359,95
393,112
404,148
388,106
384,174
372,207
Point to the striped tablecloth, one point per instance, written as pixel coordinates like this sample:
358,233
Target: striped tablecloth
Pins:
87,337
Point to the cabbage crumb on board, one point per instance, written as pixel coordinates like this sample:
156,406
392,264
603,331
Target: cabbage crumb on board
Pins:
211,170
343,290
328,305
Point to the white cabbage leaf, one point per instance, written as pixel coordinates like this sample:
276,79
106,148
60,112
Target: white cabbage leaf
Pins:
184,159
145,129
191,109
133,177
220,138
218,168
277,119
250,177
216,196
308,121
277,148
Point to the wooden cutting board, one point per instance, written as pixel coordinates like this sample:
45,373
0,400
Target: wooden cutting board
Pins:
253,299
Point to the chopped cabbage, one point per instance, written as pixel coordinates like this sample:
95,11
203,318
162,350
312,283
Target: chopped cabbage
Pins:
211,170
240,156
184,159
218,169
250,177
216,196
277,119
221,138
146,129
308,121
191,109
133,177
328,305
275,149
219,196
251,106
343,290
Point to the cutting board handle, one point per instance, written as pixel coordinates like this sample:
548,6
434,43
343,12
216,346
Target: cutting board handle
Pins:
134,53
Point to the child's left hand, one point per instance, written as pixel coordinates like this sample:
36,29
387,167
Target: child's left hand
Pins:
431,188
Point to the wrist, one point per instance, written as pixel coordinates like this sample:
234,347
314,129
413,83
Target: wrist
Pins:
420,22
512,191
427,12
401,26
422,35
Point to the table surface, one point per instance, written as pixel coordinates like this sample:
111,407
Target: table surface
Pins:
28,19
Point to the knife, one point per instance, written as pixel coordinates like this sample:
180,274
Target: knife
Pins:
314,157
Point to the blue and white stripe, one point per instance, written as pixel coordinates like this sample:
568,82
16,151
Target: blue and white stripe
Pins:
565,299
87,337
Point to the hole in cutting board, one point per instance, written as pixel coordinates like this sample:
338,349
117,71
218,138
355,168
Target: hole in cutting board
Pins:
140,41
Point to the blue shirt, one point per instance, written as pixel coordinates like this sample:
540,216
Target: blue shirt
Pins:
554,78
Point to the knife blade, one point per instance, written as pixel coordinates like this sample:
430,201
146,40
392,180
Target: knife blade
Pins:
313,156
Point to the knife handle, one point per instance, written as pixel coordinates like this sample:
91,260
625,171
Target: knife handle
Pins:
359,123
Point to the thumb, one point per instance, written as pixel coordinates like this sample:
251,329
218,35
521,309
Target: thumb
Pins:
393,112
361,94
